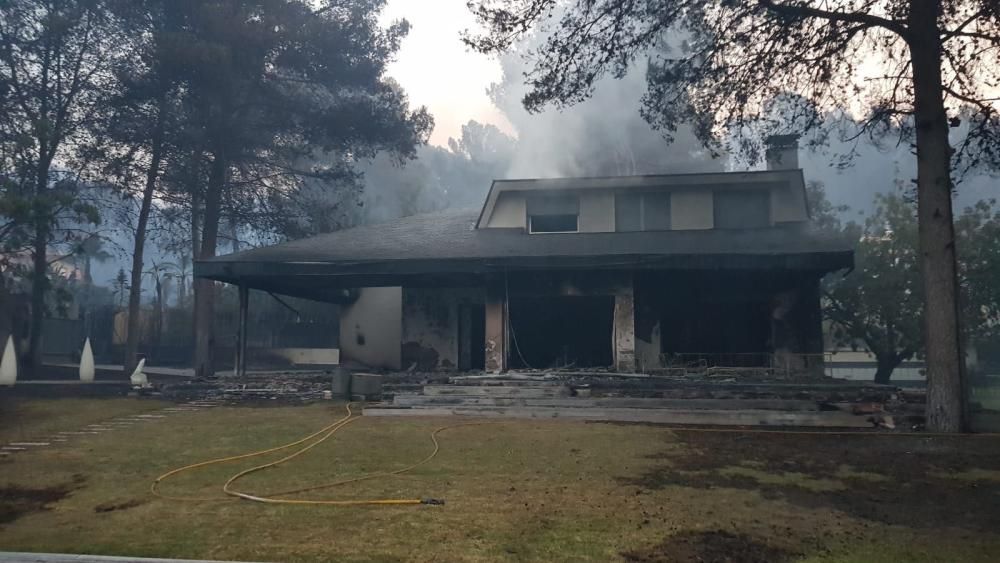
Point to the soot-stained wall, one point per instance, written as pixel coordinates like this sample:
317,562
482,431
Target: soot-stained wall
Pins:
431,320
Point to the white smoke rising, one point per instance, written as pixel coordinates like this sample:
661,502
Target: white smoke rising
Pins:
602,136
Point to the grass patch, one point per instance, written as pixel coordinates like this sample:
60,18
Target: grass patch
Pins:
848,472
786,479
520,490
975,474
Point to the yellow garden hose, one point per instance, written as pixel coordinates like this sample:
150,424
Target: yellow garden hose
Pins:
437,448
326,433
154,488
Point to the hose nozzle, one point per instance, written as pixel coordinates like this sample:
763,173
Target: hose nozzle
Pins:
434,501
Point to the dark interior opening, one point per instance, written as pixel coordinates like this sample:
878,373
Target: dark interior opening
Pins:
472,337
561,331
736,331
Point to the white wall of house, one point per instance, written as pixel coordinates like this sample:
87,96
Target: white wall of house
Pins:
597,212
788,204
510,212
691,210
371,328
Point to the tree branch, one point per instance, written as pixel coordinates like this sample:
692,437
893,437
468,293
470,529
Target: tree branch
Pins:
806,12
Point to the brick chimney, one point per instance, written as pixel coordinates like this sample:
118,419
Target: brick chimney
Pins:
782,152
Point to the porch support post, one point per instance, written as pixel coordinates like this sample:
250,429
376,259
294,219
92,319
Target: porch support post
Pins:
624,328
241,334
496,326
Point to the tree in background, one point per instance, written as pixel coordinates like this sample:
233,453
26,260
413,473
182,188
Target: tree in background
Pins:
878,302
141,130
55,58
274,83
978,232
940,58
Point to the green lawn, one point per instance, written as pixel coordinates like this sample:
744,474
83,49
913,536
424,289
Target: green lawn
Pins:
515,491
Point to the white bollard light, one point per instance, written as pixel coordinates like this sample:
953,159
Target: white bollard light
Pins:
138,379
8,364
87,363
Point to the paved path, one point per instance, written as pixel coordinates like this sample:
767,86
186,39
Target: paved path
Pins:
110,425
70,558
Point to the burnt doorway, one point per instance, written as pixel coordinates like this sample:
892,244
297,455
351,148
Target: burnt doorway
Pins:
472,337
561,331
734,331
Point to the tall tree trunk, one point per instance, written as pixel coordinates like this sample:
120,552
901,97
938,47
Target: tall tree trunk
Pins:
204,289
39,286
135,291
40,263
936,229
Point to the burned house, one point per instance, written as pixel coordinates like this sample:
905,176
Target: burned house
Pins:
633,273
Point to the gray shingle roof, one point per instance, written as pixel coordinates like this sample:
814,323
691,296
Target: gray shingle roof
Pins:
447,242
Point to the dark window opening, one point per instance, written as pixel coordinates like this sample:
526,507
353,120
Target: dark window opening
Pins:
553,223
559,331
742,209
648,211
553,213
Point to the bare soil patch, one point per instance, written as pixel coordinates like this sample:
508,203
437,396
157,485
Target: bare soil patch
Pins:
111,506
710,547
902,480
16,502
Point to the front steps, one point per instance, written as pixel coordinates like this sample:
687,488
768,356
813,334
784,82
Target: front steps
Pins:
553,400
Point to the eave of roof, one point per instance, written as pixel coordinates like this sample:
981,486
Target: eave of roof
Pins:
447,244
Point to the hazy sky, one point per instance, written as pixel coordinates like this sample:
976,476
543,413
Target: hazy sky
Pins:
440,72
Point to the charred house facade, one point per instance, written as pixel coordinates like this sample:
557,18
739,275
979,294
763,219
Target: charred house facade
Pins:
638,273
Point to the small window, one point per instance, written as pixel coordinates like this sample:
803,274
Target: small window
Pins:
554,223
648,211
553,213
742,209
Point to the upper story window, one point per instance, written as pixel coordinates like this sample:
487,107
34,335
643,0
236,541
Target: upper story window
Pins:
642,211
556,213
742,209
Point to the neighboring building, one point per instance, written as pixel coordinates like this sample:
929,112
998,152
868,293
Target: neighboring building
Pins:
637,272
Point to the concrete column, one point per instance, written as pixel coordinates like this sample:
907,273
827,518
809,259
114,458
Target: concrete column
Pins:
241,334
624,329
496,328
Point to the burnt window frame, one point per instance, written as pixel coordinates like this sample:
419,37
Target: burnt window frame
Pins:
553,207
667,223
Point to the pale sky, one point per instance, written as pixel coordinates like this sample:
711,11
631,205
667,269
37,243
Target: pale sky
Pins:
438,71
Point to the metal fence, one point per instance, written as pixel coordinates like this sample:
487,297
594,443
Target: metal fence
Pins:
783,365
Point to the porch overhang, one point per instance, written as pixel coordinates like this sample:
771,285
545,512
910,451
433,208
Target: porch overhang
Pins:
331,281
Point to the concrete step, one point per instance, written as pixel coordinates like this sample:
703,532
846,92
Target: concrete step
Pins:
478,381
524,391
414,399
830,419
